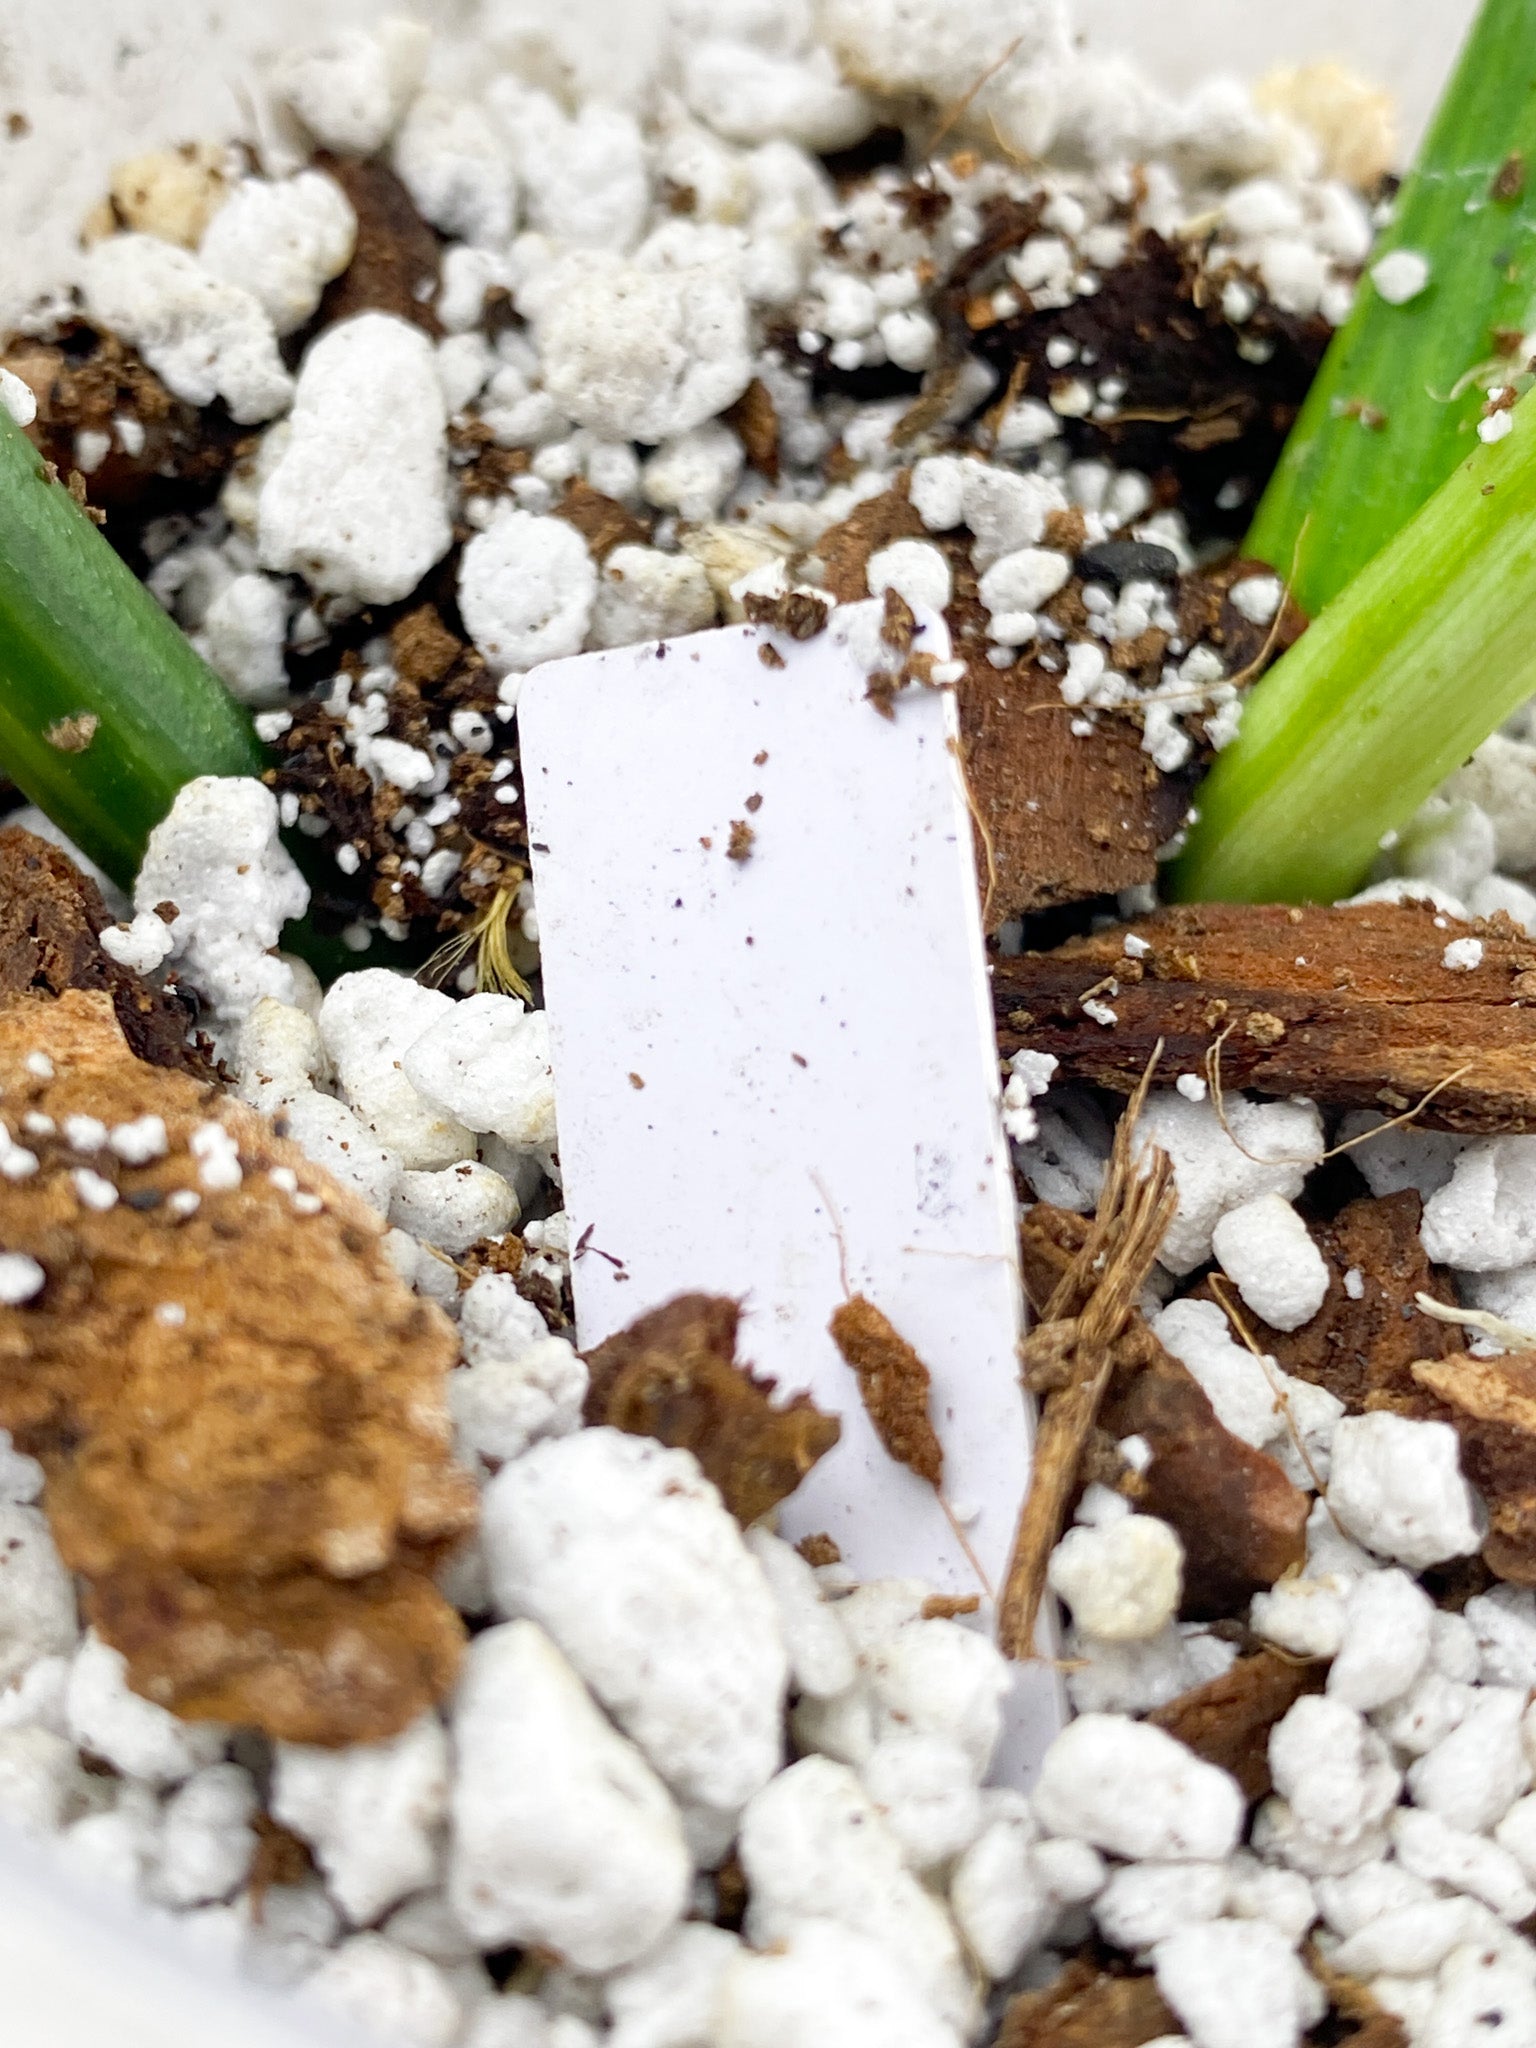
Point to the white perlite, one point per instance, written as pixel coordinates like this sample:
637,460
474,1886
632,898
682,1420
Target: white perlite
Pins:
283,242
526,589
208,339
517,1383
1129,1788
1397,1487
141,1739
37,1595
1267,1251
1269,1150
639,354
357,500
624,1552
1237,1984
367,1022
822,1986
813,1845
372,1813
562,1834
1401,276
218,858
1121,1580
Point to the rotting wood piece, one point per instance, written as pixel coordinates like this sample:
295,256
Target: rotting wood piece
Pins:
1227,1720
673,1375
1351,1005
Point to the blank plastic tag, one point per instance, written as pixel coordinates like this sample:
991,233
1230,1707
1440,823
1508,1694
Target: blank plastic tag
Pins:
776,1074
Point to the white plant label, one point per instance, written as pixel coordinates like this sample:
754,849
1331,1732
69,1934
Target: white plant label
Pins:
776,1073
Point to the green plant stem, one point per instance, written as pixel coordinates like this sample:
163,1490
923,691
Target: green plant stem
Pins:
81,638
1421,658
1393,408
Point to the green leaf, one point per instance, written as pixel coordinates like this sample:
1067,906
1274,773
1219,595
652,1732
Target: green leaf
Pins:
1430,647
1396,402
80,639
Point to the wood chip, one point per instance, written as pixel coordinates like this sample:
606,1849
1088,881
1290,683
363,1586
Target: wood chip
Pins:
894,1385
1372,1017
395,266
673,1375
1227,1720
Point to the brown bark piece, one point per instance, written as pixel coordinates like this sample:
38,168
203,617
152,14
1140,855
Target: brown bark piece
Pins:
1241,1521
844,550
394,268
894,1385
1492,1404
1227,1720
673,1375
51,920
1062,816
240,1410
1364,1351
1087,2008
603,523
756,420
1369,1018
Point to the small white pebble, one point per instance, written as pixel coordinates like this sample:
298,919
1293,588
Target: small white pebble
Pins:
85,1133
1101,1013
1401,276
1354,1284
138,1142
217,1155
16,1162
185,1202
20,1278
1462,955
38,1063
1135,947
1191,1087
92,1190
1495,427
1257,598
